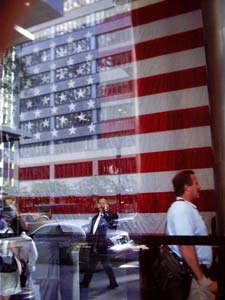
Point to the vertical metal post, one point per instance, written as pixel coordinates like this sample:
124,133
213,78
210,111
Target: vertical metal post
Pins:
214,30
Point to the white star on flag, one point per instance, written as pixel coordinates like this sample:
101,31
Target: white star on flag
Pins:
91,127
88,35
36,70
36,49
72,130
71,84
37,113
45,123
90,80
52,45
89,57
22,117
91,103
53,66
80,93
29,104
53,88
45,100
81,117
80,71
72,106
45,78
29,126
28,83
60,52
54,133
63,120
61,74
79,49
62,97
70,39
70,61
37,135
54,110
36,92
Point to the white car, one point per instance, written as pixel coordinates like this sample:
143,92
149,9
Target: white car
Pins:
72,233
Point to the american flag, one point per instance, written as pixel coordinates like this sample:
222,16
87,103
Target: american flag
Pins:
149,118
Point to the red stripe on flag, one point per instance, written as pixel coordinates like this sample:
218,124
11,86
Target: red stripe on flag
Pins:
73,170
169,44
34,173
163,10
165,45
161,83
138,203
163,121
172,81
196,158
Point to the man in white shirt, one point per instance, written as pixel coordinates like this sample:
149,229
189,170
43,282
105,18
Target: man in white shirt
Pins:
183,218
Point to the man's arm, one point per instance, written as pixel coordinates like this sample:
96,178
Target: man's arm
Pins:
190,256
111,219
33,253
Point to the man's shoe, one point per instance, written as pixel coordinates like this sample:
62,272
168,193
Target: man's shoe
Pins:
84,285
112,286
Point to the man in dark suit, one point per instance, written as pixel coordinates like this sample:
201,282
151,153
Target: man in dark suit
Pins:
98,244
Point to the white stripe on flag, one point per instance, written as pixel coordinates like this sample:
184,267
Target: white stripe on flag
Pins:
102,185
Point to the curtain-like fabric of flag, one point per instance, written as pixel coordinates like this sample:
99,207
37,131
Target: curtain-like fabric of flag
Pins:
151,119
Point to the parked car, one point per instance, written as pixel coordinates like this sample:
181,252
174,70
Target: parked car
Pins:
72,233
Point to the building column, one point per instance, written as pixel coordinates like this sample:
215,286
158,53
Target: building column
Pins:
214,31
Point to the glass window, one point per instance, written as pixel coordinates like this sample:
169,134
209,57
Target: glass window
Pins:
107,62
39,149
39,125
114,101
72,48
43,34
115,89
73,71
35,102
114,38
73,95
36,58
35,80
75,4
74,119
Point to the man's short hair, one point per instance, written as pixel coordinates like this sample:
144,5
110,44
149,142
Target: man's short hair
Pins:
101,199
180,180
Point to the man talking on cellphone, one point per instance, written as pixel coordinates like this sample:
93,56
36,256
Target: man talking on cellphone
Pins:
97,240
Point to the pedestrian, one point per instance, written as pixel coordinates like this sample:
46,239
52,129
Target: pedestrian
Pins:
60,279
183,218
97,239
9,280
28,256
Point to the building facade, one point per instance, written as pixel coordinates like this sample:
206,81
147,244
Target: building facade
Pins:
8,121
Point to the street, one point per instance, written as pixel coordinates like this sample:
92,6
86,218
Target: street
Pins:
127,276
47,285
